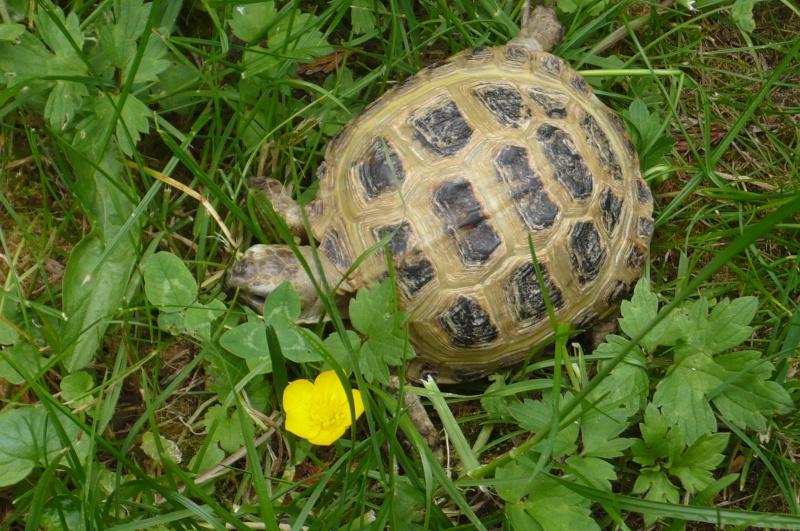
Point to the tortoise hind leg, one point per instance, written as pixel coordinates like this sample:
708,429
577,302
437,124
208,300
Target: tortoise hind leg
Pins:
542,31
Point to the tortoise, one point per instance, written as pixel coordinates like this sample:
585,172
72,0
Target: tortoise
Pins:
454,169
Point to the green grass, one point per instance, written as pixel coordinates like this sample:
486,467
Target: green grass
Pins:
124,352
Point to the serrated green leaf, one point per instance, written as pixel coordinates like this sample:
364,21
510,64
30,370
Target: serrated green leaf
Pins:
534,415
55,39
153,61
362,16
250,22
301,42
656,486
9,315
747,398
334,344
371,311
168,284
600,431
679,396
557,508
694,466
514,480
63,103
727,324
643,308
654,444
628,384
24,61
497,406
591,471
10,32
212,457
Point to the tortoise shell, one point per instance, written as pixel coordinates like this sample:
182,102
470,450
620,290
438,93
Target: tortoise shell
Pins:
456,167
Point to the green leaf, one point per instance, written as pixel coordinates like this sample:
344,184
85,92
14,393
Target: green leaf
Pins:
9,316
62,513
282,304
557,508
591,471
250,22
10,32
90,298
211,458
372,312
694,466
649,134
534,416
75,388
362,16
55,39
600,431
643,308
226,429
248,341
63,103
28,438
168,284
26,357
169,449
682,396
335,346
747,398
515,480
199,317
628,384
497,406
654,444
519,519
727,324
656,486
742,14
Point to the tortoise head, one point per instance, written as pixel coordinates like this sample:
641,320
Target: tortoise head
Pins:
263,268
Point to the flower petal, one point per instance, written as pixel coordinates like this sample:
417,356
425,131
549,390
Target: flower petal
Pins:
300,401
328,436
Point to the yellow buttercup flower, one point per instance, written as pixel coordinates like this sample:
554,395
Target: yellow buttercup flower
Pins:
319,411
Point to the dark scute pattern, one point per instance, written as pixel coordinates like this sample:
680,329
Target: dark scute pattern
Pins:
643,193
617,292
479,52
619,125
399,242
595,136
468,375
587,253
585,321
636,257
580,84
531,201
611,209
570,168
333,247
467,324
552,65
414,273
551,102
525,296
441,128
504,102
434,66
518,54
454,202
380,169
646,228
